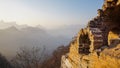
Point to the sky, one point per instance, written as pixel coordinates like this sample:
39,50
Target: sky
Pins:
49,13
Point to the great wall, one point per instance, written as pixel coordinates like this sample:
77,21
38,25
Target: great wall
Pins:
98,44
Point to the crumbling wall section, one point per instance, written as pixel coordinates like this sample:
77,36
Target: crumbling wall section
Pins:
97,45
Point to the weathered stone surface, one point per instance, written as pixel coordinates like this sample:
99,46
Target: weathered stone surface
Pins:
111,37
95,46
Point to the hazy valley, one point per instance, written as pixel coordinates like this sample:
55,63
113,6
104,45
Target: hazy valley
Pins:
14,36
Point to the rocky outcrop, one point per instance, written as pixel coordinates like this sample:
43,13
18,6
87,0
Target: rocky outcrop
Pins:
97,45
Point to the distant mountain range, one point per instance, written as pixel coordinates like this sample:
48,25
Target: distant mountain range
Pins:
4,25
13,36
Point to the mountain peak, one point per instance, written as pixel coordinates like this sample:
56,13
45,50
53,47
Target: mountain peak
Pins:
12,28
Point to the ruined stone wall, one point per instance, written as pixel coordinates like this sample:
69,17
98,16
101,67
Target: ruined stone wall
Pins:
95,46
93,60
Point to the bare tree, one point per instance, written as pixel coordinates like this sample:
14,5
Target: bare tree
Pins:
29,57
4,63
55,60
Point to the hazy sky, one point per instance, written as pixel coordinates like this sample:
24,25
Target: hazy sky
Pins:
49,13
